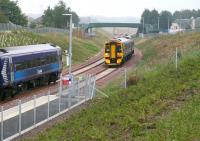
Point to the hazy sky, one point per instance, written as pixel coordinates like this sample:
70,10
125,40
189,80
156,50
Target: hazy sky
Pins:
109,8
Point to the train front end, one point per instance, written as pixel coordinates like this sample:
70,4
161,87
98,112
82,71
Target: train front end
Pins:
113,53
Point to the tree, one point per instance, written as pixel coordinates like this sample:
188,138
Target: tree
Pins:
75,18
165,20
186,14
154,17
47,18
59,19
11,10
55,18
3,18
150,20
33,24
198,13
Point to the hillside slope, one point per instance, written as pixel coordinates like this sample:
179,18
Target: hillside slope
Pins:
82,48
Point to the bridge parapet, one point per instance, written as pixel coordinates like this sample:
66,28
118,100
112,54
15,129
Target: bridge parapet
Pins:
101,25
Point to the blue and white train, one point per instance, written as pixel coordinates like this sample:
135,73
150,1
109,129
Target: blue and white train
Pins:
25,67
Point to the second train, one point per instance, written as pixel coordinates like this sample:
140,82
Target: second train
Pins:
118,50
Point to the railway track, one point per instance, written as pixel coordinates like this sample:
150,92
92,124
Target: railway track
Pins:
93,67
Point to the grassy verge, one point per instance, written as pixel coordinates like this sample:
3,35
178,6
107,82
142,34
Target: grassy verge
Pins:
163,104
82,48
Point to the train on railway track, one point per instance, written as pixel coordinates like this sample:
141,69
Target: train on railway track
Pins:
118,50
26,67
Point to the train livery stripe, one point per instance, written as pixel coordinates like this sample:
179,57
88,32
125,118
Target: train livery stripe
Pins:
113,51
22,75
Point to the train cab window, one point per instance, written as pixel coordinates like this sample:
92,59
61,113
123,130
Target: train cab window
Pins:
119,49
107,49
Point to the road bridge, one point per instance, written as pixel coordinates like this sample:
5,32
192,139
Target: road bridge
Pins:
89,26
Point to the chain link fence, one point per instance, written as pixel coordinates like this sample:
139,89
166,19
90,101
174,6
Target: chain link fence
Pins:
151,35
25,115
12,27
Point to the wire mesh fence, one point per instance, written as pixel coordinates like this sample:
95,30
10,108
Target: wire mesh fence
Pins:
151,35
26,115
12,27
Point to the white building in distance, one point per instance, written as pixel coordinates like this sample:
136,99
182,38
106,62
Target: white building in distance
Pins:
183,24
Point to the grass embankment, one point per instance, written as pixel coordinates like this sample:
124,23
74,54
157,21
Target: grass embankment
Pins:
82,48
161,104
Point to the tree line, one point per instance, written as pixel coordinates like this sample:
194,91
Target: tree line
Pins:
55,18
52,17
156,21
9,11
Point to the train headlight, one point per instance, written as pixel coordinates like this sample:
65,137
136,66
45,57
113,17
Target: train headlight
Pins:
119,54
106,54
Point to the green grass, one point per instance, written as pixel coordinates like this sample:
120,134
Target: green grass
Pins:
82,48
182,125
162,105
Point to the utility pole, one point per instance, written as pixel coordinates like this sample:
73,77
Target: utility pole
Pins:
176,58
158,23
143,26
70,45
168,25
125,77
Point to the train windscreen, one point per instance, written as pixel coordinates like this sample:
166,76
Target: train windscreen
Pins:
107,48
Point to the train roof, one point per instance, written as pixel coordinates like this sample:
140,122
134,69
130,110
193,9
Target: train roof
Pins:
123,40
27,49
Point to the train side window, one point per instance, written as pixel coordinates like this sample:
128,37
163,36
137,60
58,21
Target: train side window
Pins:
21,66
28,64
49,60
18,67
42,61
34,63
53,59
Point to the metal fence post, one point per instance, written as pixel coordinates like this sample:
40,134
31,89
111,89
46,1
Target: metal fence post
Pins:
78,91
125,77
86,88
60,87
20,116
69,97
74,87
1,123
89,85
176,58
93,88
59,102
49,92
34,110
